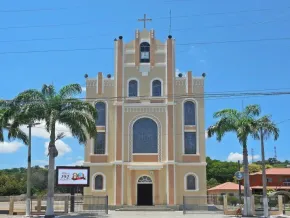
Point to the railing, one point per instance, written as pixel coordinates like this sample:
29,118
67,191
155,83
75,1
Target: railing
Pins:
62,204
286,183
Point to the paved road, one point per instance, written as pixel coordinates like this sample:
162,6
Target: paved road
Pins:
139,214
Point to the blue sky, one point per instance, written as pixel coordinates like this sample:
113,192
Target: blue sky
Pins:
54,26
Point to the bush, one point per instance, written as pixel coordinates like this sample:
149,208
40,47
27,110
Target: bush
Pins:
233,200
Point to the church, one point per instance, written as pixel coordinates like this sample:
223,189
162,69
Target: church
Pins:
150,144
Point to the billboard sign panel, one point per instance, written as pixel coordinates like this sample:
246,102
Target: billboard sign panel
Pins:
72,176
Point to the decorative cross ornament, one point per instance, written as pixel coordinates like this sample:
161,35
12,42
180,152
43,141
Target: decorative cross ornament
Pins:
144,20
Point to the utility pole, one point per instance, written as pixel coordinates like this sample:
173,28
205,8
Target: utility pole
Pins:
240,191
28,193
252,150
275,152
264,178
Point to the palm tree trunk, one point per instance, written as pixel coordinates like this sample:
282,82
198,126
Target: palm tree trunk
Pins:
50,186
265,199
247,193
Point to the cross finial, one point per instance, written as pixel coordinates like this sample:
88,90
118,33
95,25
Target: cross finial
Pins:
144,20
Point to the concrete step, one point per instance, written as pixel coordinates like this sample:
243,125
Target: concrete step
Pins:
144,208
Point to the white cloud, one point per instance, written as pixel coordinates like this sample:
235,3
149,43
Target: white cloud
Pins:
10,147
40,131
84,89
77,163
62,147
234,157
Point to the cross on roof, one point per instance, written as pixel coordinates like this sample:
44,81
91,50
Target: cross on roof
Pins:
144,20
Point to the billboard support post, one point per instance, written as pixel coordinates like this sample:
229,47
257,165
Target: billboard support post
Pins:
72,199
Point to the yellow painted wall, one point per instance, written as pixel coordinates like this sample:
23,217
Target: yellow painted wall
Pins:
180,172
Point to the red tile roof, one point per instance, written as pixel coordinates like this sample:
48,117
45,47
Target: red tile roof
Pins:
227,186
272,187
275,171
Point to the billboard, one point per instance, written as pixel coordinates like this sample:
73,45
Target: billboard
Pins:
72,176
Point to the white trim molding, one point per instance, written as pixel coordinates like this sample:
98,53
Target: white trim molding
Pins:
97,164
145,167
196,182
158,164
104,182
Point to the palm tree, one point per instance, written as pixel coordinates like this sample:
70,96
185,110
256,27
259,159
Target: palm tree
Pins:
11,122
243,124
265,129
51,107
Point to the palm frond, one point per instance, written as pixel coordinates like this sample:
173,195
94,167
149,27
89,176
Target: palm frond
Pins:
224,125
77,130
252,110
267,127
28,96
17,133
60,136
227,113
80,118
79,105
1,135
70,91
48,90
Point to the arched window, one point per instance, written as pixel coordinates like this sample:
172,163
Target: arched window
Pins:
189,113
144,179
156,88
145,138
101,109
144,52
99,182
190,182
133,88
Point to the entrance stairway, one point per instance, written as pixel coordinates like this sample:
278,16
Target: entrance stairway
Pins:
145,208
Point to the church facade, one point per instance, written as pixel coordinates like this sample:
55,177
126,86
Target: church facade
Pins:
150,145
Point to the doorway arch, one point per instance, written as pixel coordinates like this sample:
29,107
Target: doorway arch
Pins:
145,191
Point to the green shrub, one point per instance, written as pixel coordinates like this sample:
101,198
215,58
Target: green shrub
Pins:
233,200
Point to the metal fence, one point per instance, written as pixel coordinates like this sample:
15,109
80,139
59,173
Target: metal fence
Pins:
273,203
89,204
203,204
63,204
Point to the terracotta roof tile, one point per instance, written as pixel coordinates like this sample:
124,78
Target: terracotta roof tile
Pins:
275,171
226,186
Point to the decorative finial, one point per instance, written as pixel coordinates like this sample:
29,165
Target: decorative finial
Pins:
109,76
86,75
203,74
170,37
180,75
120,37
